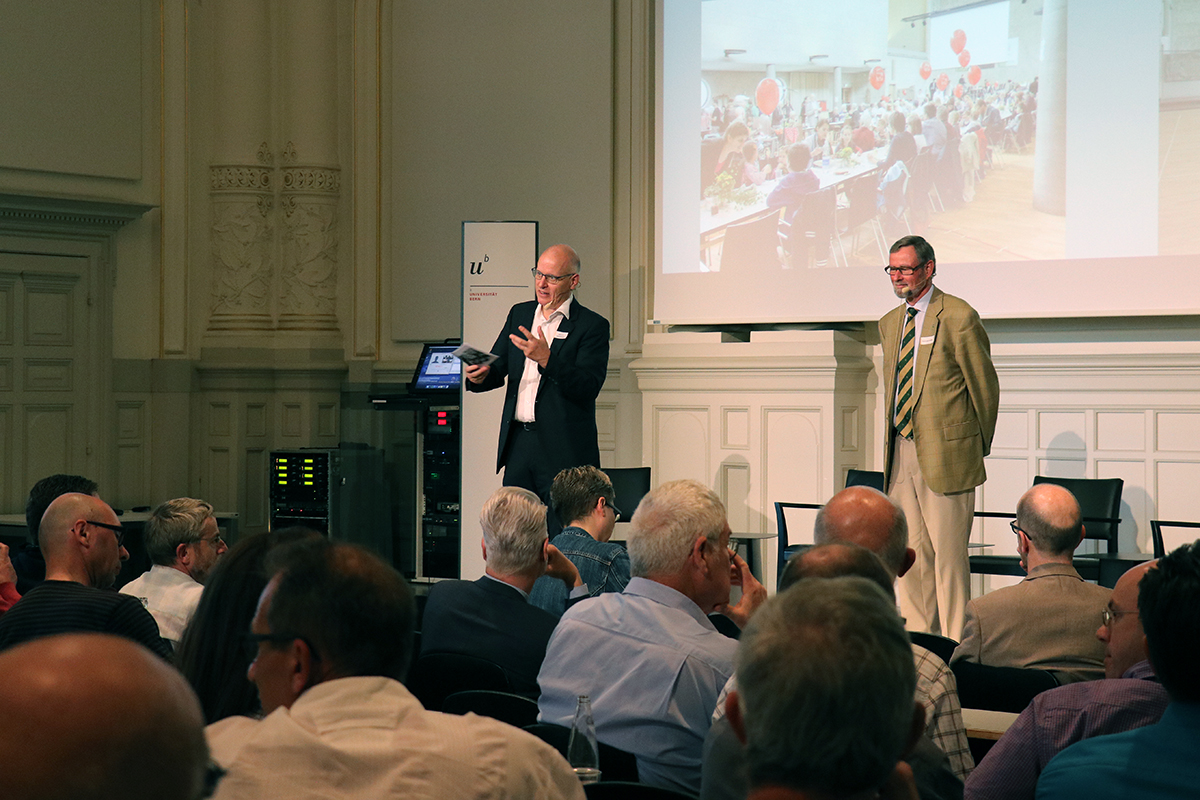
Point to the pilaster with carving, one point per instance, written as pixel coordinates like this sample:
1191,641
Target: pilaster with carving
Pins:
309,252
242,246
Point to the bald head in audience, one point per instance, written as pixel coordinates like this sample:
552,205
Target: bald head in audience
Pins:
867,517
80,539
95,717
837,560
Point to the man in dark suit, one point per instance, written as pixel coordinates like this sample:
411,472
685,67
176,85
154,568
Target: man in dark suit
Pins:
942,397
554,354
492,618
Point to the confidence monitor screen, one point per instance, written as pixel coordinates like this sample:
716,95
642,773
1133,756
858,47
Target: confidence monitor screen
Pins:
439,370
1070,188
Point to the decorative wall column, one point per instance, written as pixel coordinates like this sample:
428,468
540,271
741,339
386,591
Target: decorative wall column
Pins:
240,174
307,289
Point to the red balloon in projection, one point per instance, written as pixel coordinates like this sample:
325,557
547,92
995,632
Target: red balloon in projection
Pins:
974,74
964,58
926,71
958,41
943,81
877,77
958,91
767,95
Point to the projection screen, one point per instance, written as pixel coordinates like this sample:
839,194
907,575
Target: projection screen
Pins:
1083,201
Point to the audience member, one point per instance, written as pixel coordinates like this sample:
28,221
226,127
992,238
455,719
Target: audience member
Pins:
29,563
865,516
751,174
1128,698
212,660
934,131
584,496
1047,621
820,144
492,617
826,704
649,658
1157,760
723,155
8,581
80,539
724,776
799,181
903,146
334,635
95,717
183,543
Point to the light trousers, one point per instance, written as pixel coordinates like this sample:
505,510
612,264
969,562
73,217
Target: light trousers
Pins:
933,594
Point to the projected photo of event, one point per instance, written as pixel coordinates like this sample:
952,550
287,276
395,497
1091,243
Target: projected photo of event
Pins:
1000,130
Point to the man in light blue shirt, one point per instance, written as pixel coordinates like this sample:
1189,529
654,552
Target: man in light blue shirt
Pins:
649,658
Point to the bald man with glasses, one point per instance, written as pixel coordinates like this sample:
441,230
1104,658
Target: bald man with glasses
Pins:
82,541
553,355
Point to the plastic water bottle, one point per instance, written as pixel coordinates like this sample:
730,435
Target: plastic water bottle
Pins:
581,747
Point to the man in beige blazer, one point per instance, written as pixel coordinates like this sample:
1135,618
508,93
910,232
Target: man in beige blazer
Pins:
1048,620
942,397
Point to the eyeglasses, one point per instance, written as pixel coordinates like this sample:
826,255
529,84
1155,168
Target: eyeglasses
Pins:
553,280
906,271
1018,531
250,642
616,512
1107,615
216,541
117,529
733,546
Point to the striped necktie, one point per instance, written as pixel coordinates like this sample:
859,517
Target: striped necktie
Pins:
904,376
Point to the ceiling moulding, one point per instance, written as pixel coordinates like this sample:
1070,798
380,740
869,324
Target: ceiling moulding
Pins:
67,212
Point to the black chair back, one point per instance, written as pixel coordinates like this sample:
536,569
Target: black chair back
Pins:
999,688
1099,501
630,485
940,646
1156,534
615,764
786,550
865,477
514,709
436,676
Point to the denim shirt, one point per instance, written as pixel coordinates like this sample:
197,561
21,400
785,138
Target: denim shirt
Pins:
603,566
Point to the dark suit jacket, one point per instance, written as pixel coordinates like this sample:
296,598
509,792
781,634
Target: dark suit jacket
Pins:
571,379
955,391
491,620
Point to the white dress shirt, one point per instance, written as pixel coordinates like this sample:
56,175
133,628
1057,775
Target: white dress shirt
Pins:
531,378
170,596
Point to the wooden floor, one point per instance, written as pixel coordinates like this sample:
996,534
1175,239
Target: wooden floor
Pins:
1002,225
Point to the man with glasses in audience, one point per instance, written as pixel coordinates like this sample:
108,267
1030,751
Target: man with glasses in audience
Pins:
942,398
1047,621
81,539
331,642
554,354
649,657
1129,697
1156,760
183,542
583,497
